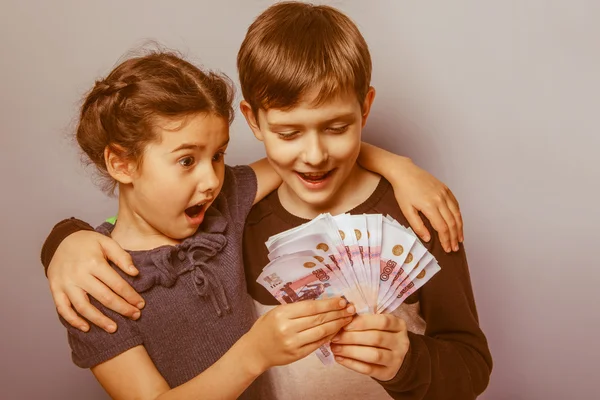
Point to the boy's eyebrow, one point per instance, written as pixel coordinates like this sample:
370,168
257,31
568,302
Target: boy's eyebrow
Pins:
344,116
194,146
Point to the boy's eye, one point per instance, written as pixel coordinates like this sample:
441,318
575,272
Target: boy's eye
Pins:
338,129
186,161
287,135
219,156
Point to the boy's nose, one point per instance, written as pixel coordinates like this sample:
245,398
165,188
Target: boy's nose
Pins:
314,153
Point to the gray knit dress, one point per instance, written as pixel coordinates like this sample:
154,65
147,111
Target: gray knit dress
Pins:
197,305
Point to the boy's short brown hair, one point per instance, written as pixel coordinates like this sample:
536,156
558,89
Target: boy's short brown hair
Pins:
294,47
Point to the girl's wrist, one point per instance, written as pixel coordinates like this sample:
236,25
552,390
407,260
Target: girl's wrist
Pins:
251,358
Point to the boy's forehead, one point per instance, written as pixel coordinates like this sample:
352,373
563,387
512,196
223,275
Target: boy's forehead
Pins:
311,98
341,103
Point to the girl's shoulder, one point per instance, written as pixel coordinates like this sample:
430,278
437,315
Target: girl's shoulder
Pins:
237,193
239,181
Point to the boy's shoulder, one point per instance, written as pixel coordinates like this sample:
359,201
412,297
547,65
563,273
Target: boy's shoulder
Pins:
383,201
261,210
386,204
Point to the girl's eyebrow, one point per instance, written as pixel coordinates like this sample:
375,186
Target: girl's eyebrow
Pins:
195,146
187,146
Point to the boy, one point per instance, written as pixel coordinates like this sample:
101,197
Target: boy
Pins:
309,115
305,74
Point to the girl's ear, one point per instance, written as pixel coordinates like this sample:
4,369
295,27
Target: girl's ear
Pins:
120,168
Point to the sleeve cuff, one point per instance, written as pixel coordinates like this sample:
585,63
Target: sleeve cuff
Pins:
91,360
59,233
410,362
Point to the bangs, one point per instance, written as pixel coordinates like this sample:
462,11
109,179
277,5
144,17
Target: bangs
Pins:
295,48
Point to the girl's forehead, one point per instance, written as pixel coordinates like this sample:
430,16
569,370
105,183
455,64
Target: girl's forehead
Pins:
201,130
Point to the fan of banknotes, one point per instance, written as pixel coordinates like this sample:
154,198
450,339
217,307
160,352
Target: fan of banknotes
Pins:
371,260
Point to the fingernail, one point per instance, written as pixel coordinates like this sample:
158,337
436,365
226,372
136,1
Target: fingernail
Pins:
84,328
343,303
136,315
335,348
141,304
456,248
338,358
132,269
447,249
336,338
351,309
111,328
427,238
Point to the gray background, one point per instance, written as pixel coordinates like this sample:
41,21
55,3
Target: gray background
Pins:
504,93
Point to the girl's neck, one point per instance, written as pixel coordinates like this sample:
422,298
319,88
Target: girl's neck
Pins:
133,232
357,188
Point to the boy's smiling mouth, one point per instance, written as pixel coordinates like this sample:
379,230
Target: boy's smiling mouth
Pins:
315,179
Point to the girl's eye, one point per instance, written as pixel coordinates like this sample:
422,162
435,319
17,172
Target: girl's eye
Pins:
287,135
338,129
186,162
219,156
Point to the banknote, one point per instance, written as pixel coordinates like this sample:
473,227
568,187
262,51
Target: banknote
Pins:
323,253
323,224
395,246
413,260
374,222
414,282
372,260
349,235
294,278
361,232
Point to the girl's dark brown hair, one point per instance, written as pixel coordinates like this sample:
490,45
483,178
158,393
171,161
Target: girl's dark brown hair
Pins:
122,110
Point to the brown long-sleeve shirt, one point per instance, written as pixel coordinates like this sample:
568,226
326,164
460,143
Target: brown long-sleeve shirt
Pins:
449,356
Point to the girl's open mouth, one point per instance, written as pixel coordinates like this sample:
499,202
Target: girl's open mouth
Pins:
195,213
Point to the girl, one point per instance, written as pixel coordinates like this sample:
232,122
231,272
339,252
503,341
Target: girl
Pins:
157,128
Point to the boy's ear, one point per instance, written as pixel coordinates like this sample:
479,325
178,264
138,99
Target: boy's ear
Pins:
119,168
251,119
366,107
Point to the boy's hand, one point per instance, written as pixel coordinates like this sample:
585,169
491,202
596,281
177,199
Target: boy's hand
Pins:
290,332
417,190
373,344
79,268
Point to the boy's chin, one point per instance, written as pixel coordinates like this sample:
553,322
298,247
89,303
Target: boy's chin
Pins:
317,200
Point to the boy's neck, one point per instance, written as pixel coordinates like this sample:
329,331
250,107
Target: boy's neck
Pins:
357,188
132,232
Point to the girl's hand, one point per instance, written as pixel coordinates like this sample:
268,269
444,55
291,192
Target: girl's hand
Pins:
416,190
292,331
79,268
373,344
